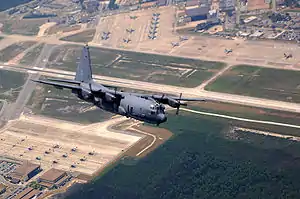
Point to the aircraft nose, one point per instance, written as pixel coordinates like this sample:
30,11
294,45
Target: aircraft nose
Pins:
162,118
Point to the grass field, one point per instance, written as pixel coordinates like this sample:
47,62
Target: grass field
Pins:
259,82
28,27
203,160
13,50
32,55
85,36
138,66
10,84
62,104
246,112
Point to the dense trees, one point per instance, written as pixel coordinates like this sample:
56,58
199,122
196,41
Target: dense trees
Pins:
200,162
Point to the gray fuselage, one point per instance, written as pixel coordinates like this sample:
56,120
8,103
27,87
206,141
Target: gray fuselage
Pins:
129,105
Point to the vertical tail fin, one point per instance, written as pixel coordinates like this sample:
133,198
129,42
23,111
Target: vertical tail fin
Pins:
84,70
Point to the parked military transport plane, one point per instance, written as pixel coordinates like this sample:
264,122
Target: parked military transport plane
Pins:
144,107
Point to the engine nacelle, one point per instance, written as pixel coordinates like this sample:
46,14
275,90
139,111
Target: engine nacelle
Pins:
109,97
173,103
85,95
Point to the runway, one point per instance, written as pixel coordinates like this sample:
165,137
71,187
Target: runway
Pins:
167,89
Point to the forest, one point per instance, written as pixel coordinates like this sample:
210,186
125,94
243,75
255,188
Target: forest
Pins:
204,160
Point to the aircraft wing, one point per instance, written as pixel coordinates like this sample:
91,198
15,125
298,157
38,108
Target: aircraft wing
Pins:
76,82
170,100
166,97
58,84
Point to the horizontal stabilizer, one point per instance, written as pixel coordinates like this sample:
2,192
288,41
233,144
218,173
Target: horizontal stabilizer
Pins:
57,84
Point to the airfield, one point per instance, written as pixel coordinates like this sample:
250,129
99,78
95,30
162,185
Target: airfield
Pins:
44,124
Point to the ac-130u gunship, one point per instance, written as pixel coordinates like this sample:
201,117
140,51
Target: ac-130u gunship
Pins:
144,107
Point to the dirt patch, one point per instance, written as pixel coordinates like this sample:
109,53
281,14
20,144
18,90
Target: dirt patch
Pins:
84,177
62,28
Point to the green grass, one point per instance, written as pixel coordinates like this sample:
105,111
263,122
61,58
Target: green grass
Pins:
32,55
203,161
246,112
138,66
11,84
13,50
62,104
82,37
29,27
261,82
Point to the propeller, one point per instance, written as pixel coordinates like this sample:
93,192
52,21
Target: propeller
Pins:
177,111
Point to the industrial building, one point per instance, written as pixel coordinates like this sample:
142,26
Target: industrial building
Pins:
24,172
53,177
227,5
198,13
28,193
190,3
148,4
207,25
162,2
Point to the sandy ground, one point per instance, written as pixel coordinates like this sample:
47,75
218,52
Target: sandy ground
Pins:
118,24
42,134
206,48
44,27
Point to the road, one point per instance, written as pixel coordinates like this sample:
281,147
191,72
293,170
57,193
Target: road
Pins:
13,111
187,92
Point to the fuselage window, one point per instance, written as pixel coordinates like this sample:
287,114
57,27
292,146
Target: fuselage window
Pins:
152,112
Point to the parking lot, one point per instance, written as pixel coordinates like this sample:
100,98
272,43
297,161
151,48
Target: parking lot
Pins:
66,146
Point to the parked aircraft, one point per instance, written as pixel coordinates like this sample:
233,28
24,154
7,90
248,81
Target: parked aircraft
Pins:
227,51
154,26
144,107
152,36
155,18
153,22
104,37
106,33
287,56
183,38
127,40
130,30
153,31
133,17
175,44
